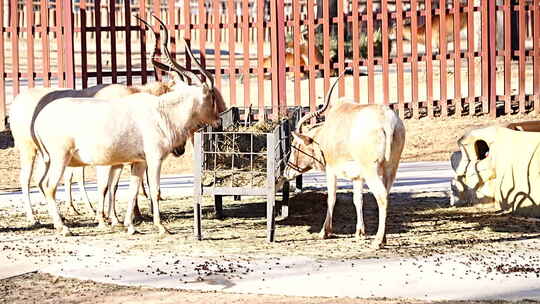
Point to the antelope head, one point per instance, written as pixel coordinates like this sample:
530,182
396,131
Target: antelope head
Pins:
205,80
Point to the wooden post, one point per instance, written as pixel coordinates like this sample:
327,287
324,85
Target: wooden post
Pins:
491,58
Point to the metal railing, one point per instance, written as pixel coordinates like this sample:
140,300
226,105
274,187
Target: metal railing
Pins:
280,53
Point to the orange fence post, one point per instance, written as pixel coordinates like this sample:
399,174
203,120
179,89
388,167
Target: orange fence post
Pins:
69,62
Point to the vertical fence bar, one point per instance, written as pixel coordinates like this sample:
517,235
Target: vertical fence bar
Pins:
156,11
341,45
30,43
15,50
246,55
67,39
490,58
45,43
2,69
399,59
84,47
442,59
507,56
471,65
457,57
217,43
112,23
281,101
522,29
142,35
172,28
187,30
127,17
356,46
97,20
312,46
386,52
326,24
485,59
370,52
297,53
202,34
232,50
260,55
429,61
536,48
414,62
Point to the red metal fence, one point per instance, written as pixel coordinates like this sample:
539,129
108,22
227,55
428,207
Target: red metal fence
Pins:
425,58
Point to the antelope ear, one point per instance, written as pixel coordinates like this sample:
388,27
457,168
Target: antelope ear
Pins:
306,140
205,89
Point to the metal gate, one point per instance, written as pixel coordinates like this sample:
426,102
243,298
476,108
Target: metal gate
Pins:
424,58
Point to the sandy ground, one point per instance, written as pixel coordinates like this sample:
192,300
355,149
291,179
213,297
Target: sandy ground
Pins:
420,225
29,287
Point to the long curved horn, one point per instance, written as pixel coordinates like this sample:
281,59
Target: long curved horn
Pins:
168,55
326,103
156,37
207,74
159,64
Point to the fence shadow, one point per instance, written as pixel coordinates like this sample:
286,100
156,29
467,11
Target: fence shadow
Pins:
413,216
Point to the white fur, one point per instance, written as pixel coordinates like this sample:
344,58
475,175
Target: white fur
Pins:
141,129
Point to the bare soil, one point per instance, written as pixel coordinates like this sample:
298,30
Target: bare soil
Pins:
420,224
48,289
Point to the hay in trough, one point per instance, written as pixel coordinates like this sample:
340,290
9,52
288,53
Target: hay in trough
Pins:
238,156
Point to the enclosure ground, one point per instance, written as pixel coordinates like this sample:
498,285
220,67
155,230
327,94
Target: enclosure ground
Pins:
50,289
424,232
419,225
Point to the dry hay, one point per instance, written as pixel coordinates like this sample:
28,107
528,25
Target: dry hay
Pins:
242,156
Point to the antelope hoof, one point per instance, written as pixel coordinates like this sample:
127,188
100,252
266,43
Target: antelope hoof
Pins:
131,230
360,234
34,223
102,225
163,231
378,243
325,234
64,231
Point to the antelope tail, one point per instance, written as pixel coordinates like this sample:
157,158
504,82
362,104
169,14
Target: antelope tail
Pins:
389,138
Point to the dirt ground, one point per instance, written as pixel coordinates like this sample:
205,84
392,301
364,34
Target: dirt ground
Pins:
423,228
419,225
28,287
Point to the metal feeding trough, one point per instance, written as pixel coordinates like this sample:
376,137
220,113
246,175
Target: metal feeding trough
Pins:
243,157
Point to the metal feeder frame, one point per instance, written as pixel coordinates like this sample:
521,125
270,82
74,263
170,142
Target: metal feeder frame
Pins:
206,147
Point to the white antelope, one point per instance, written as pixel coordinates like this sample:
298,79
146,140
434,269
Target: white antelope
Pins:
359,142
140,129
22,111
